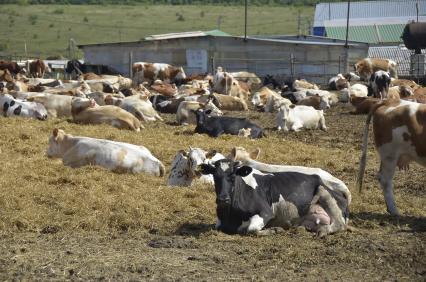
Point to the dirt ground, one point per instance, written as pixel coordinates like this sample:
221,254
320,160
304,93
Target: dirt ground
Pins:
58,223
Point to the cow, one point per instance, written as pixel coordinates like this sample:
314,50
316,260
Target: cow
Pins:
400,92
12,67
138,105
164,104
303,84
103,99
268,100
86,111
11,107
338,82
56,105
247,200
225,83
362,105
295,117
244,132
356,90
379,82
225,102
6,76
185,167
216,126
368,66
166,89
404,82
150,72
318,102
186,111
250,158
271,82
78,151
399,129
37,68
252,80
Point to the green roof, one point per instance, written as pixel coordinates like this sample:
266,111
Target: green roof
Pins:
369,33
216,32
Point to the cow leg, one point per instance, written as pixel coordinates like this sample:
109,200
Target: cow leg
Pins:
329,204
322,124
385,176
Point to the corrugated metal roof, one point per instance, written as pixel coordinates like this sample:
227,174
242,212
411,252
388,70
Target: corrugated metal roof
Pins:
368,9
187,34
369,34
399,54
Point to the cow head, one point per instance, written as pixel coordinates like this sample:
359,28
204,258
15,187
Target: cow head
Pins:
80,104
55,149
258,100
201,115
214,111
324,103
224,172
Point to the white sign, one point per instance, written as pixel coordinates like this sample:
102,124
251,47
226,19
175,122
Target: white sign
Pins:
196,60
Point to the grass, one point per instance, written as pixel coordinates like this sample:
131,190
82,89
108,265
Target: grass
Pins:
56,24
91,224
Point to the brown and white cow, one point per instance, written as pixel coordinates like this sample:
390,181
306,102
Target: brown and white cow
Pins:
362,105
399,129
86,111
150,72
366,67
318,102
225,102
268,100
38,68
225,83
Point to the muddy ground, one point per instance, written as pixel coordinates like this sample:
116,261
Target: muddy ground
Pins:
57,223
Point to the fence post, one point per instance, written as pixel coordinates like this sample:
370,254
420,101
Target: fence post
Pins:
292,66
213,64
131,64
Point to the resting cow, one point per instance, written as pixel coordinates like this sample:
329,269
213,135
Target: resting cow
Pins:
77,151
86,111
249,200
11,107
399,129
296,117
185,167
317,102
186,111
268,100
216,126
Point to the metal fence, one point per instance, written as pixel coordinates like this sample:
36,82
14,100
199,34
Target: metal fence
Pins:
283,69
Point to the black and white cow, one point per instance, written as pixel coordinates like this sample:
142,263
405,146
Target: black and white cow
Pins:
216,126
380,82
249,200
11,107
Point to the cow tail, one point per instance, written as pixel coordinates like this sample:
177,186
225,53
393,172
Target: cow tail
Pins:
363,160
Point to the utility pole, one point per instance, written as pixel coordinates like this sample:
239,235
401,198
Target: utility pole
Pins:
299,18
417,10
219,22
347,23
245,20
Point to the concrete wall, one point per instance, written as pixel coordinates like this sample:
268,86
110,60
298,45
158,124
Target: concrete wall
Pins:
315,62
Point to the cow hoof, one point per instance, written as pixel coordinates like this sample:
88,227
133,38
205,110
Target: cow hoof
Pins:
322,231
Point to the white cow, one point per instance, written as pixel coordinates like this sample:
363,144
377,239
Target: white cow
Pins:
296,117
56,105
185,167
77,151
358,90
186,111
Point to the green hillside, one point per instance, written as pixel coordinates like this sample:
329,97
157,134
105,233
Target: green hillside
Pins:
46,29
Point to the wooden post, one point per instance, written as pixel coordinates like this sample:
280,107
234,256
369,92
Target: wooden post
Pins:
130,64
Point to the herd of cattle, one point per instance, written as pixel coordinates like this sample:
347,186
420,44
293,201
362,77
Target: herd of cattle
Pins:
250,195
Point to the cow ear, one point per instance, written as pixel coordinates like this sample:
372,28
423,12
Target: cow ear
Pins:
206,169
244,171
55,132
255,154
208,112
184,153
234,153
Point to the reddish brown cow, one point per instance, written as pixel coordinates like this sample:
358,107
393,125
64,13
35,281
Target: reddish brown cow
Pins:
37,68
12,67
363,105
152,71
366,67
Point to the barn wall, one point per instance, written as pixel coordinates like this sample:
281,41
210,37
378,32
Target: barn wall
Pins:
316,62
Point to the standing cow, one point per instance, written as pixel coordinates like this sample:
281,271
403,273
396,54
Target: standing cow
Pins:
150,72
366,67
399,129
38,68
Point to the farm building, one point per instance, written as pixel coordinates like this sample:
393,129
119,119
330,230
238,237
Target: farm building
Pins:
379,23
314,58
374,22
